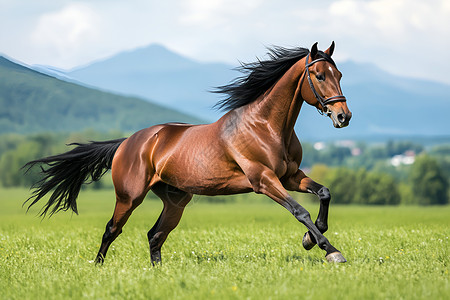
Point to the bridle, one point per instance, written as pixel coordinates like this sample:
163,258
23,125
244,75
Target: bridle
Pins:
320,99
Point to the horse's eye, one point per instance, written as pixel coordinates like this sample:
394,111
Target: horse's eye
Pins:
320,77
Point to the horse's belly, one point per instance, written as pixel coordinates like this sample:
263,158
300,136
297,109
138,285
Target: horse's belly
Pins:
204,175
217,186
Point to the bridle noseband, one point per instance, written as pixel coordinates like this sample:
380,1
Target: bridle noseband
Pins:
320,99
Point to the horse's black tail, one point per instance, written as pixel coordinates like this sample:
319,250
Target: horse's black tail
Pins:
68,171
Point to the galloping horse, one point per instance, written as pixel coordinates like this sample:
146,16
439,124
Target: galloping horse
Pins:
253,147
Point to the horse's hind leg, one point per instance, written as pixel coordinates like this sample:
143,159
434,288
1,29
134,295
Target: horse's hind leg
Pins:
124,207
132,173
174,202
131,185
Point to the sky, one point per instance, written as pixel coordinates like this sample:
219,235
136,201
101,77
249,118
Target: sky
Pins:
405,37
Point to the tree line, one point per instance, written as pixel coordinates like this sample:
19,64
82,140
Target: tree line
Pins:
362,177
425,184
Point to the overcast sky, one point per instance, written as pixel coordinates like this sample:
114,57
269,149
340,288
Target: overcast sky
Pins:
406,37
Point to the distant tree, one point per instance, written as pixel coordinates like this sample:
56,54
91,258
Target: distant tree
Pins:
362,187
406,194
443,150
342,185
384,189
319,173
310,155
17,150
333,155
377,152
442,155
12,161
395,148
429,184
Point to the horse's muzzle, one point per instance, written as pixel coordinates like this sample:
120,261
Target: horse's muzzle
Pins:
340,119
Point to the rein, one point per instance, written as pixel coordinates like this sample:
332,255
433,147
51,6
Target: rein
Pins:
320,99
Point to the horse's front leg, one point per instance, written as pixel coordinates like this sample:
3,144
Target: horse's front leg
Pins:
301,183
266,182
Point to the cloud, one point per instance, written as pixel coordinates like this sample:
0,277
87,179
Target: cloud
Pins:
214,13
391,34
67,31
396,34
391,20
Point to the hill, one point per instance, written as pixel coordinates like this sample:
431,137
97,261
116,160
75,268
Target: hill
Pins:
382,104
31,102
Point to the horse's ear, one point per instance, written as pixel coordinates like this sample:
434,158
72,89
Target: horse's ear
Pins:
330,50
314,50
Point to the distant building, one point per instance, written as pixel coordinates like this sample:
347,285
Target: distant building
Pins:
406,158
319,146
355,151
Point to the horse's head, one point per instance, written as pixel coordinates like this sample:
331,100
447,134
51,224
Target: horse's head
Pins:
323,89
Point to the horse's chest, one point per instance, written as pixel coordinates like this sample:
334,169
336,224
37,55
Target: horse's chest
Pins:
289,166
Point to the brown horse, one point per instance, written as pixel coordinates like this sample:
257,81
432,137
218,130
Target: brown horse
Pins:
253,147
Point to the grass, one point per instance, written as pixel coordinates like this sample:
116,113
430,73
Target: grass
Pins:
239,250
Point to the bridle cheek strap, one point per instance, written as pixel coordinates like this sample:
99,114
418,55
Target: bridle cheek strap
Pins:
320,99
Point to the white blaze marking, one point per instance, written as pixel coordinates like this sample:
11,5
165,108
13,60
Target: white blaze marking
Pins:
331,70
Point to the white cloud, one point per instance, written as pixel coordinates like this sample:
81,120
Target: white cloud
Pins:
391,20
395,35
213,13
65,32
392,34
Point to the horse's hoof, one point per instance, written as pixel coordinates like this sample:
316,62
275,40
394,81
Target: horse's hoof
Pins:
335,257
307,242
100,259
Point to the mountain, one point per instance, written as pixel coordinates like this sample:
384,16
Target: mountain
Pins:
382,103
156,73
31,102
53,72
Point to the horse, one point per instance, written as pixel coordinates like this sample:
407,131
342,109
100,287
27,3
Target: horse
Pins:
251,148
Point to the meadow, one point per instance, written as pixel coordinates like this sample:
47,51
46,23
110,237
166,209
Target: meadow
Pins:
249,250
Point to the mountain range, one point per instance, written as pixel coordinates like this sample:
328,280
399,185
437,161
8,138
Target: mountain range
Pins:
34,102
382,103
157,73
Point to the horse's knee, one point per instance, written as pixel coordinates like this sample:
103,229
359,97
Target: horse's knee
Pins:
324,194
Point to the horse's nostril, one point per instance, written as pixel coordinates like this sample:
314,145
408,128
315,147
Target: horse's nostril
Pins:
341,117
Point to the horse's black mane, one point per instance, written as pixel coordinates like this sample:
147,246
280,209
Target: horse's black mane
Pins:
259,76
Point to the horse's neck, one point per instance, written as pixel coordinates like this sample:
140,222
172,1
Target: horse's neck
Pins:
280,105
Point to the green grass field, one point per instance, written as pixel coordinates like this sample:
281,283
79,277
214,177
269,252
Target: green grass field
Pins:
239,250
